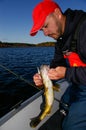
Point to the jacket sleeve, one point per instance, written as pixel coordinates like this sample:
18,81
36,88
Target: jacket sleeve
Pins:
58,59
78,74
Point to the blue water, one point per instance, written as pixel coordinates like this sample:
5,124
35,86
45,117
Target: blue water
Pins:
22,62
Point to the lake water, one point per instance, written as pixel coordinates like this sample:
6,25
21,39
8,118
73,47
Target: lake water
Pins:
17,64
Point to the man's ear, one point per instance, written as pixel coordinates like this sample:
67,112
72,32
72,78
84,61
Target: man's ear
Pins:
58,13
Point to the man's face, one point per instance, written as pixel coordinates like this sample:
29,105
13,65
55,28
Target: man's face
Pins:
52,27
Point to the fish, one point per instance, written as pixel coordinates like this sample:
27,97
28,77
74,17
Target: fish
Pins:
48,94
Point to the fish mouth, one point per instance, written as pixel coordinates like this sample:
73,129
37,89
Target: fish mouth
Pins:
34,122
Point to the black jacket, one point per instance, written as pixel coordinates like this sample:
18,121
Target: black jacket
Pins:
76,75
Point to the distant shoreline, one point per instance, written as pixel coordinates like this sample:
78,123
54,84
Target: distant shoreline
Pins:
6,44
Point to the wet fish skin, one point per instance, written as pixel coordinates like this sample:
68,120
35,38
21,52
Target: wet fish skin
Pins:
49,96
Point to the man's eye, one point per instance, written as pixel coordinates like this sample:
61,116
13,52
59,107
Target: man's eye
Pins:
46,26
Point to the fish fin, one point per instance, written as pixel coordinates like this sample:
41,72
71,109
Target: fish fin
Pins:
56,87
48,113
34,122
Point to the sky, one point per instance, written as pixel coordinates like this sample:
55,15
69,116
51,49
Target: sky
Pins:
16,19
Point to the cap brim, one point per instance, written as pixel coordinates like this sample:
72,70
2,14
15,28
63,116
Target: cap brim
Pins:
36,27
33,33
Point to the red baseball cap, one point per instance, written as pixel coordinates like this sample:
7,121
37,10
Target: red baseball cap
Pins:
39,14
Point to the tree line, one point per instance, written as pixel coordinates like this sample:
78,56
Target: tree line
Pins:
7,44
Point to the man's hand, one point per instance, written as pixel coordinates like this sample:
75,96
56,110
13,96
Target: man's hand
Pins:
53,73
57,73
37,80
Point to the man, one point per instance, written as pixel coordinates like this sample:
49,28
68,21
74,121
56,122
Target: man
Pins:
70,57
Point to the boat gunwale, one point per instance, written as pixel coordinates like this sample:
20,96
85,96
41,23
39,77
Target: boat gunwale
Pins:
20,106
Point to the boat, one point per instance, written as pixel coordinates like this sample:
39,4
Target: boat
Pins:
19,117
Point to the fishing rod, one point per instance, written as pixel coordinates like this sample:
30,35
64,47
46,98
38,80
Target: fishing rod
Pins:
64,104
18,76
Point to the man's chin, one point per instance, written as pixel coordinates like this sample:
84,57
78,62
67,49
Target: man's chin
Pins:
53,36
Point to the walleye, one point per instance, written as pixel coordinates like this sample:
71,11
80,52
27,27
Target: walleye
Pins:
49,96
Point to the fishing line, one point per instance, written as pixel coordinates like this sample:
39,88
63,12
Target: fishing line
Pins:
18,76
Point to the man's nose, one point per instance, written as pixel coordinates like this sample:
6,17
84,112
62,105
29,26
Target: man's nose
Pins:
45,32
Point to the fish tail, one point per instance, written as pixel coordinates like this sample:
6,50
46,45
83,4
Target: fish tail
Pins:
34,122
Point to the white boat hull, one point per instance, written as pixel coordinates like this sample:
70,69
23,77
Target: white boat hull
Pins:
19,118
